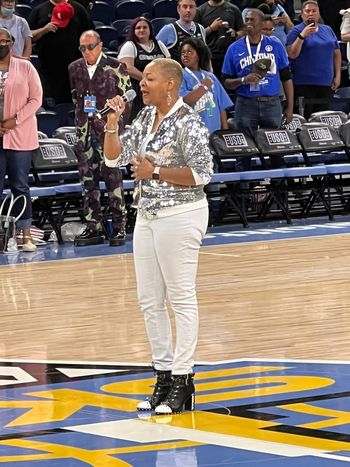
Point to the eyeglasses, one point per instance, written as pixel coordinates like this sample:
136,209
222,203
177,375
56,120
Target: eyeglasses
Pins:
84,48
5,41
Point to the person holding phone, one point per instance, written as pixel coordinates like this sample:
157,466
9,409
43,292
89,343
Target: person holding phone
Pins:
281,20
315,59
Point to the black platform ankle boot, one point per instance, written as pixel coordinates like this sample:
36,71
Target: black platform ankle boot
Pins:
180,397
161,389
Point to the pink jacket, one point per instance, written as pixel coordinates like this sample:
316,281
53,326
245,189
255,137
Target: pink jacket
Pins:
22,98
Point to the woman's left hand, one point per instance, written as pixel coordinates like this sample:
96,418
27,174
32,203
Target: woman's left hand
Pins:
142,168
9,123
336,83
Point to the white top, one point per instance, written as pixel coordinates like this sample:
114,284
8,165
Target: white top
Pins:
128,50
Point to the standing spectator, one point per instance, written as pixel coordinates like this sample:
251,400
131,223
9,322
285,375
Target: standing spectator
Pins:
18,27
20,98
315,58
139,49
56,26
94,79
200,88
345,30
172,35
329,10
222,22
169,148
258,102
282,22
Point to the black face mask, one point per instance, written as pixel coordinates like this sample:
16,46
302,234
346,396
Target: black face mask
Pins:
4,51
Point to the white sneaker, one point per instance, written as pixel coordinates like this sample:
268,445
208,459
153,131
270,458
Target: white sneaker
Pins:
28,247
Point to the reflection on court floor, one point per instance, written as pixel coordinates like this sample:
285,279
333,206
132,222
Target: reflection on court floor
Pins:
263,413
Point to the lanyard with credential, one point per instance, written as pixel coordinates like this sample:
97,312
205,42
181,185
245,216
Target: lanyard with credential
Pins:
254,59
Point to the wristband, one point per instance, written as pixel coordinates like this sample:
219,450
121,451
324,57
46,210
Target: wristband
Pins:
110,130
301,37
242,80
205,87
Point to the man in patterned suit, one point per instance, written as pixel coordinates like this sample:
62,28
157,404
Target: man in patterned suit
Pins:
94,79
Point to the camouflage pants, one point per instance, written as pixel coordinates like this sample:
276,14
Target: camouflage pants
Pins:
92,169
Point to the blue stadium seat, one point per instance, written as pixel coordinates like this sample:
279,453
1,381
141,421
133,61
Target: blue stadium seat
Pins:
23,10
48,121
158,23
130,9
107,34
164,8
101,11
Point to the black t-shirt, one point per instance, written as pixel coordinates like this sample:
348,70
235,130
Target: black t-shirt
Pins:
57,50
218,41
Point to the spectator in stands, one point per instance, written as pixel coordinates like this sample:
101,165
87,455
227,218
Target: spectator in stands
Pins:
18,27
223,23
200,88
172,35
171,167
95,78
329,10
345,30
20,98
258,102
139,49
282,22
56,26
315,58
268,26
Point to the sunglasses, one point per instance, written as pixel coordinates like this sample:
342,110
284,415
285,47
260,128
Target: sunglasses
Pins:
84,48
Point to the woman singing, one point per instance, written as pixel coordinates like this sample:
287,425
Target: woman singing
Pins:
168,146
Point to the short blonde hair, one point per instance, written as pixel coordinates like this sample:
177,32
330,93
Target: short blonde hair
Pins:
169,68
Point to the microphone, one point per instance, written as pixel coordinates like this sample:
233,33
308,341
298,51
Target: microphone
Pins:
127,97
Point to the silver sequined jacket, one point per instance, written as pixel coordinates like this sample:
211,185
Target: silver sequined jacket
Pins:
181,140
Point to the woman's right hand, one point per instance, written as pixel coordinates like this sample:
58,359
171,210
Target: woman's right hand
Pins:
118,106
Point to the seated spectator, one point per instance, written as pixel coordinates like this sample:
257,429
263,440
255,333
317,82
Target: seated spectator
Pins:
172,35
282,22
200,88
315,58
140,49
18,27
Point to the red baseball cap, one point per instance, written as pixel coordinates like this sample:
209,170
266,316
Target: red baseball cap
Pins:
61,14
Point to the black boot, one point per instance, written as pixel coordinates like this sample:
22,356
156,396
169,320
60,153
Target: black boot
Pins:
118,237
161,389
180,397
89,237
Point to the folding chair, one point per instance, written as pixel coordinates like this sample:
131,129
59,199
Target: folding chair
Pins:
305,183
67,133
122,26
333,118
225,146
53,163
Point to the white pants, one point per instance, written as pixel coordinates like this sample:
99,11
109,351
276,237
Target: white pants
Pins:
166,259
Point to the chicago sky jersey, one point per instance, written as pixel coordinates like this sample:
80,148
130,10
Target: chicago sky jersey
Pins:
238,63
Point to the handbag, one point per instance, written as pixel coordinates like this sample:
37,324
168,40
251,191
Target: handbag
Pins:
8,223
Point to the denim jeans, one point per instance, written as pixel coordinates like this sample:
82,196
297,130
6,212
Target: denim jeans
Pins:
16,165
251,114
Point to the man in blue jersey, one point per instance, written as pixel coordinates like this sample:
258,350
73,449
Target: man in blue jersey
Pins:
258,103
315,58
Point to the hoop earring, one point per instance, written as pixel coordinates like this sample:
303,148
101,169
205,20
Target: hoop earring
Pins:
168,99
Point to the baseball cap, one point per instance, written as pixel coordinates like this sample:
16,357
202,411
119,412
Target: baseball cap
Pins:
61,14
